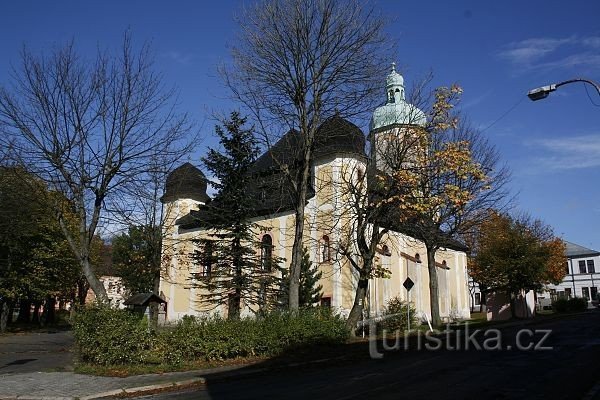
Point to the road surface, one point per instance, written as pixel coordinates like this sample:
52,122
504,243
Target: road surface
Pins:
569,370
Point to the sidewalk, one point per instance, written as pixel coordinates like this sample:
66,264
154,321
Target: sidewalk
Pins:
69,385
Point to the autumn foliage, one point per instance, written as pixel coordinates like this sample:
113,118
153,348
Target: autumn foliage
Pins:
516,253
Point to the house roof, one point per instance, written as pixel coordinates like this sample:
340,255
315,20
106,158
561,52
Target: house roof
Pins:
575,251
143,299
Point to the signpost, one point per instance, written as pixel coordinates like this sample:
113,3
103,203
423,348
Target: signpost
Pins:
408,284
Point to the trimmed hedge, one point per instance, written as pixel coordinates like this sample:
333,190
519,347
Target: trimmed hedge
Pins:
107,336
571,305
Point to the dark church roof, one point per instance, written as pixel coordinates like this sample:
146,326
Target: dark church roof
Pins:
335,136
185,182
270,189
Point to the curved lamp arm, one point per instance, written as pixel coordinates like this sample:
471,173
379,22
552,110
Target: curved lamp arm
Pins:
544,91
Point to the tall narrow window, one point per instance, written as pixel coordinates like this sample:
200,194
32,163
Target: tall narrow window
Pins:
582,266
325,249
266,253
567,267
206,259
418,258
591,269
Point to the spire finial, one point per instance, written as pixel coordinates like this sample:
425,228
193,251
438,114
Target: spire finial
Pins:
393,67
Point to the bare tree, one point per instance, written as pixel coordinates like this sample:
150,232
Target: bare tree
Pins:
91,130
297,63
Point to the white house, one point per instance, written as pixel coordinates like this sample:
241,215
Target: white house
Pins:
583,274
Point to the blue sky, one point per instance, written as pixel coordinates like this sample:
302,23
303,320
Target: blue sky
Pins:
496,51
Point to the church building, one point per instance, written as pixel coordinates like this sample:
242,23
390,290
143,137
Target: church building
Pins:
339,153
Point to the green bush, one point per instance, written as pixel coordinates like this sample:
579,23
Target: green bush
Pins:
107,336
395,316
560,305
578,304
574,304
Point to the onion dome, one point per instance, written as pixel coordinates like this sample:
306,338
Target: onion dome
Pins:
396,111
185,182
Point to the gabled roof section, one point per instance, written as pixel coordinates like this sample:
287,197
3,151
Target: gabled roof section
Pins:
143,299
575,251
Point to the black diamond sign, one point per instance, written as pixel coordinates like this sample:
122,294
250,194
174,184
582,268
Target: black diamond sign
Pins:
408,284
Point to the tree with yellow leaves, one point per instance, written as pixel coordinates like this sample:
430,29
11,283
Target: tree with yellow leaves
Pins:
440,187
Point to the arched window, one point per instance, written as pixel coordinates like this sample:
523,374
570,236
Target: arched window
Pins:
385,250
266,252
418,258
325,249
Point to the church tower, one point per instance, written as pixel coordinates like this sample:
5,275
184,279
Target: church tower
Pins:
185,190
391,121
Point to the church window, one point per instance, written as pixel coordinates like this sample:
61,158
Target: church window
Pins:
325,249
266,252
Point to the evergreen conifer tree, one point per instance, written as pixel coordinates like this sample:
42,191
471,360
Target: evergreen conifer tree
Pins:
310,292
234,269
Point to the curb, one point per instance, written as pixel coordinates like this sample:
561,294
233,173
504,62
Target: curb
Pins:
115,392
142,389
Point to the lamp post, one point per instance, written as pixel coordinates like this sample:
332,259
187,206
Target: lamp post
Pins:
543,92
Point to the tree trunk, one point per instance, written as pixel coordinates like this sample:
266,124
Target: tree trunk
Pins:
153,311
434,297
483,306
82,289
49,310
297,248
357,308
235,305
35,319
24,311
513,311
4,311
97,286
11,312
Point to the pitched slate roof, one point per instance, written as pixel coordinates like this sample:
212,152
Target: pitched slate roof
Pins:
575,251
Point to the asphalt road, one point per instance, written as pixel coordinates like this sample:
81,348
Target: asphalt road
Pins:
34,352
569,370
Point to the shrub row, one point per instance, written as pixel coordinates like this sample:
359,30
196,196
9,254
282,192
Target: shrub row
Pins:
106,336
571,305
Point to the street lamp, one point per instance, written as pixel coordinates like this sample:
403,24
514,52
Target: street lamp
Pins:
543,92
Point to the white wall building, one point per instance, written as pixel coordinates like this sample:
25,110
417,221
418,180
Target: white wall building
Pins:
583,274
